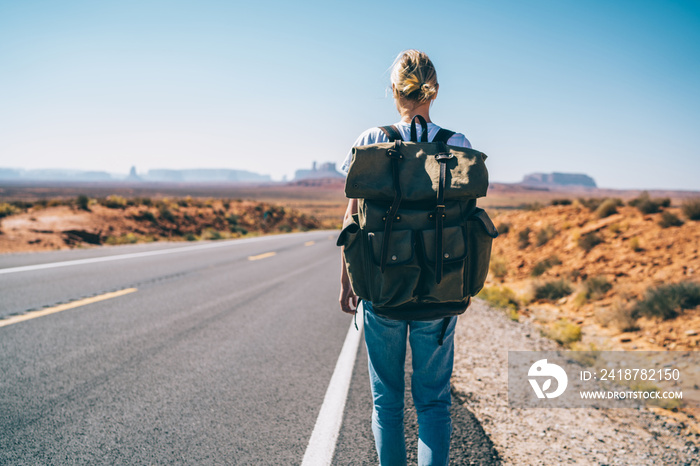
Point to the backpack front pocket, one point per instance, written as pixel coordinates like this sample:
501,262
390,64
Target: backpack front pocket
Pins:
454,255
396,285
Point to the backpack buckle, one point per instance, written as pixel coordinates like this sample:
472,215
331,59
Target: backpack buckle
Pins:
444,156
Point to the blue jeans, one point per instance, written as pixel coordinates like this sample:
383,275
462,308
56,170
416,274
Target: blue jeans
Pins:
430,385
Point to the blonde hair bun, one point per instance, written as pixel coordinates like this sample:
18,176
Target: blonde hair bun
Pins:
413,76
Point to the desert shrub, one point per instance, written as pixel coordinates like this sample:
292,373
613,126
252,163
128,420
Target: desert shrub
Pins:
127,238
635,245
145,201
524,238
211,234
532,206
669,219
553,290
238,229
594,203
7,209
561,202
183,202
647,205
615,228
544,265
165,213
232,220
691,209
596,287
227,204
114,202
667,301
607,208
544,235
500,297
285,228
620,316
145,215
83,202
589,241
498,267
503,228
190,237
564,332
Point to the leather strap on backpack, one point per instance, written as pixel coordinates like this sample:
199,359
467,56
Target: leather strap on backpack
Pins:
443,135
423,134
395,155
442,157
392,132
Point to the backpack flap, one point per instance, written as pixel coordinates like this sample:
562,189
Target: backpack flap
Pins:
370,172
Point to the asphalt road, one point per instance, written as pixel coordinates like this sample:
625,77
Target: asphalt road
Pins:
214,359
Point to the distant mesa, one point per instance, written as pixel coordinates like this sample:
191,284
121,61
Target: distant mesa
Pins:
324,170
53,175
158,175
203,175
558,180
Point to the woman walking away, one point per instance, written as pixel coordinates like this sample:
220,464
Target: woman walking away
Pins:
415,87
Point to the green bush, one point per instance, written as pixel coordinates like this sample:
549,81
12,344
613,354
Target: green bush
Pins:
596,287
503,228
670,220
553,290
114,202
647,205
589,241
524,238
83,202
691,209
498,267
7,209
145,215
607,208
500,297
564,332
165,213
544,265
667,301
561,202
544,235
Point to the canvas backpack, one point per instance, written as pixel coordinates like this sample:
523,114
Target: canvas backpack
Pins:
418,248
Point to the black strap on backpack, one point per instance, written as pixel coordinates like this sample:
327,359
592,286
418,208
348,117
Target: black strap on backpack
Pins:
442,156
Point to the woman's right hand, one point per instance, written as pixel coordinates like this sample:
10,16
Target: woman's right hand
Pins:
348,299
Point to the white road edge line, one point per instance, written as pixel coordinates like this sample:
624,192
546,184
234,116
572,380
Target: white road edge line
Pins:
321,446
51,265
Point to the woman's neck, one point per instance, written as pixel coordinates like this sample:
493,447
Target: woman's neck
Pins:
407,114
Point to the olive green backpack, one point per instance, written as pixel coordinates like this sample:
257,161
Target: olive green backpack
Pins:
418,248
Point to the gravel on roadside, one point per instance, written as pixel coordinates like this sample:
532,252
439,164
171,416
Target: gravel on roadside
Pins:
552,436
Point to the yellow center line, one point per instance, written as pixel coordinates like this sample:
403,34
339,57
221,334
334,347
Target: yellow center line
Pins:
64,307
261,256
309,243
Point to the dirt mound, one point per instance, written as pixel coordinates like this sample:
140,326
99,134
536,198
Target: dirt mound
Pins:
566,262
117,220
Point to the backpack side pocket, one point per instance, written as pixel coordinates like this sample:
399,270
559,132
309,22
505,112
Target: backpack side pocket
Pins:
355,254
480,235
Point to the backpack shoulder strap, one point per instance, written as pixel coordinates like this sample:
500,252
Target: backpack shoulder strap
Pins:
443,135
392,132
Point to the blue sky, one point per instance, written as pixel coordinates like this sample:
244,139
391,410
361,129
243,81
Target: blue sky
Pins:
610,89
